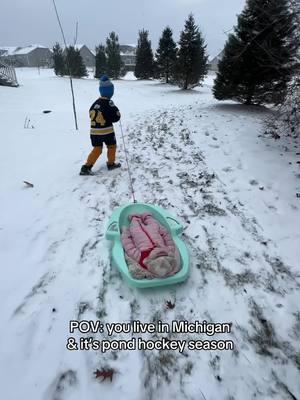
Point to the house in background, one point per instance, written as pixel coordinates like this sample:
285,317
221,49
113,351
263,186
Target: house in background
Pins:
128,55
30,56
40,56
87,55
213,63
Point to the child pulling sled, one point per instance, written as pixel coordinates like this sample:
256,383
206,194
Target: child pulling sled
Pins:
103,113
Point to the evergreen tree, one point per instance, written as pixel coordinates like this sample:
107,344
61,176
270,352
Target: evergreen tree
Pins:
192,60
58,60
156,70
114,63
144,57
75,63
166,55
258,59
100,61
286,118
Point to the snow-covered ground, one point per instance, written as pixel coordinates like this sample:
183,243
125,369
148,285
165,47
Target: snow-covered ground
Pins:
208,163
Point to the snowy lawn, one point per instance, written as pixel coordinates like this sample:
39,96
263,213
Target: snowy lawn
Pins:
208,163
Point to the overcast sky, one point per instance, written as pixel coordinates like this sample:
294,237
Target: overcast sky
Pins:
24,22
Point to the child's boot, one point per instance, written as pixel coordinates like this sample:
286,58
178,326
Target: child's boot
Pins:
86,170
113,165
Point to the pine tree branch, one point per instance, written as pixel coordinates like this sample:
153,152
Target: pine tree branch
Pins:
258,36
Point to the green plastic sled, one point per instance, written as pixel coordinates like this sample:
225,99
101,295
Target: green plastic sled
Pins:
119,219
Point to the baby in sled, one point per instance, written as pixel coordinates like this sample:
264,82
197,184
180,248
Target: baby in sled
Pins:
150,251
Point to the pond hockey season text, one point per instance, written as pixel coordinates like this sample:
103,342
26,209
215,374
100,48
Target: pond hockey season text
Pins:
138,327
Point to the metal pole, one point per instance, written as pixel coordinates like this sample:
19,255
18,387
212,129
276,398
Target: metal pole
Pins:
69,71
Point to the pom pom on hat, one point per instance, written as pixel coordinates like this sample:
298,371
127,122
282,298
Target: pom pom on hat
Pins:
106,87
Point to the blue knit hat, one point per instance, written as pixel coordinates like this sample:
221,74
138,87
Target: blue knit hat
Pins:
106,87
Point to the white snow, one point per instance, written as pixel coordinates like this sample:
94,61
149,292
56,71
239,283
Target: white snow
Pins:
206,162
130,76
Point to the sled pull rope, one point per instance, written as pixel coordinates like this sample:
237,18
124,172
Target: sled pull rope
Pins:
127,162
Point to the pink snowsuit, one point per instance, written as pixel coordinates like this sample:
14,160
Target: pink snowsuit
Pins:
150,249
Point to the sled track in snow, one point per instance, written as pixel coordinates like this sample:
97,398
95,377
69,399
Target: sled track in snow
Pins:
252,275
162,140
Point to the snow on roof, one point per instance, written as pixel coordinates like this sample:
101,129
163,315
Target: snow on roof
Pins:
217,58
76,46
8,50
127,53
127,50
128,47
79,46
128,44
28,49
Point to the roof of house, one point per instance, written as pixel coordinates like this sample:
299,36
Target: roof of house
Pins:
127,53
128,45
14,51
217,58
28,49
8,50
76,46
79,47
127,49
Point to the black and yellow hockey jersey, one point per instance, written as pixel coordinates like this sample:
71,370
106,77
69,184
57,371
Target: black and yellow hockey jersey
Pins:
103,113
